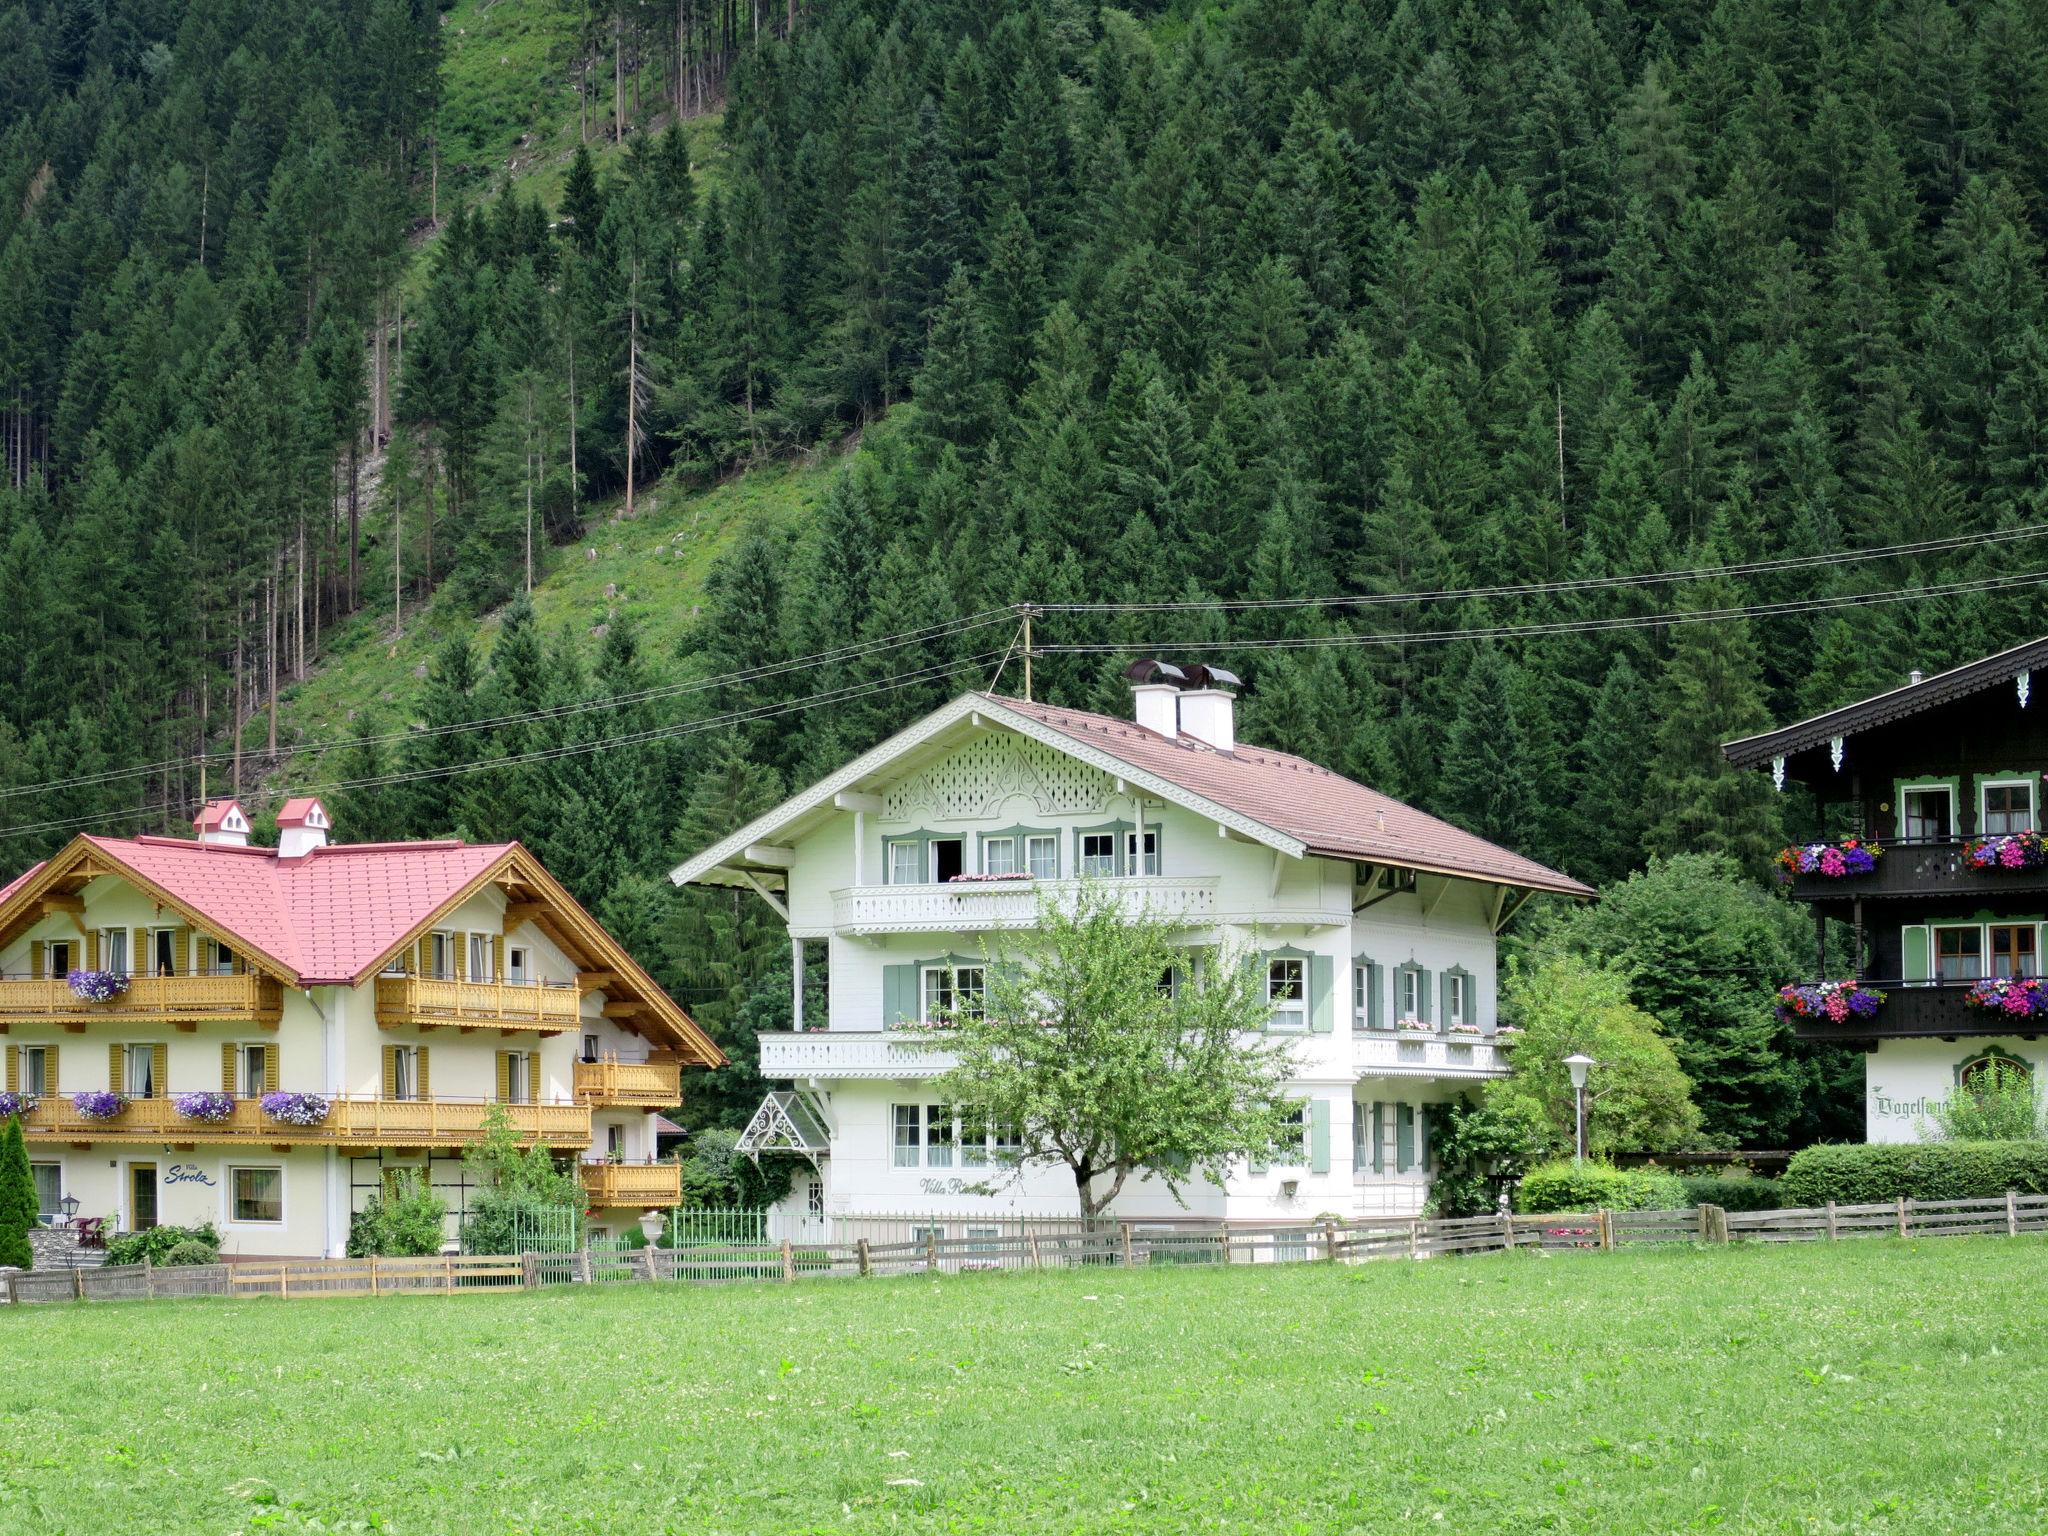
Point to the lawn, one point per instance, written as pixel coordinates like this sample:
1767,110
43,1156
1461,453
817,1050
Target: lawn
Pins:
1877,1386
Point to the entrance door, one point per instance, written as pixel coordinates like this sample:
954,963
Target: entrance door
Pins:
141,1196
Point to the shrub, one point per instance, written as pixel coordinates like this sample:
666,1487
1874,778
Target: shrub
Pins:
1559,1186
189,1252
1927,1170
17,1199
1999,1103
1732,1191
157,1244
409,1223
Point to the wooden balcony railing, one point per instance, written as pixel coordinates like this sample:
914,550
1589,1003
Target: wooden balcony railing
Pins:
235,999
1920,1009
636,1185
429,1001
350,1122
656,1083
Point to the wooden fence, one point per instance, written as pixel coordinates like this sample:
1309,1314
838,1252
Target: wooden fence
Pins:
1053,1244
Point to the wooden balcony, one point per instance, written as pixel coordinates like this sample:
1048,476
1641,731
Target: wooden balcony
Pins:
656,1083
1920,1010
635,1186
432,1002
149,999
350,1122
1923,870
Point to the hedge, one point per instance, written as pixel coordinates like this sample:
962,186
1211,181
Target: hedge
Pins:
1752,1192
1927,1170
1561,1186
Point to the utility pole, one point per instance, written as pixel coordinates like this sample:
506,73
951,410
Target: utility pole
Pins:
1027,653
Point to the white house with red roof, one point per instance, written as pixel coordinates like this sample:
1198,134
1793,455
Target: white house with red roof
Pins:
1374,923
199,1030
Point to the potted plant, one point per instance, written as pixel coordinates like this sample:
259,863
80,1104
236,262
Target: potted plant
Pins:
96,986
13,1104
300,1109
208,1108
98,1104
1836,1000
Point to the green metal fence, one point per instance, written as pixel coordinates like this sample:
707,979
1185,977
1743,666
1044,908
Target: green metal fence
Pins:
714,1229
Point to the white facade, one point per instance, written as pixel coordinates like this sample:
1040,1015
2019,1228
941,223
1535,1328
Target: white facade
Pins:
1906,1081
872,879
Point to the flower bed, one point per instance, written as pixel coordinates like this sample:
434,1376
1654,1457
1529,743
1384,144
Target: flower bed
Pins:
97,1104
2010,850
96,986
2023,997
1833,861
300,1109
12,1104
1835,1000
212,1108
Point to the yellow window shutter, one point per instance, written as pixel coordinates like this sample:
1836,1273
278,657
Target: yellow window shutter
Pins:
418,963
140,961
504,1076
227,1066
161,1068
183,948
37,965
241,965
424,1089
390,1071
270,1069
498,957
50,1070
459,942
13,1068
92,950
114,1075
533,1077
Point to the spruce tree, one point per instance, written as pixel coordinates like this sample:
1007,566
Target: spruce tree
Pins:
17,1199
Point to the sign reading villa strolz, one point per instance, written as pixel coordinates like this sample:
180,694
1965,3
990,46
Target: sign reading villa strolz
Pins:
185,1173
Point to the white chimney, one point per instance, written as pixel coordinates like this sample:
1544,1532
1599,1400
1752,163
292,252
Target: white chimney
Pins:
222,824
1915,677
1157,707
1210,716
302,826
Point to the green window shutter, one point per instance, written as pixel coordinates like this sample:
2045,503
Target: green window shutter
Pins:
1404,1139
1913,956
1319,1135
899,995
1322,1012
1422,992
1443,996
1421,1139
1375,996
1378,1133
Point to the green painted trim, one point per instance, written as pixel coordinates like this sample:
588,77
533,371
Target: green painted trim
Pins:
1993,1053
1118,830
1953,784
1978,782
1020,833
1471,994
924,857
1375,991
1318,1135
1404,1138
1308,979
1421,990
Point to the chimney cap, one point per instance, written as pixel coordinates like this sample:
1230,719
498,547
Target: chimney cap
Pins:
221,816
1915,677
1201,675
1139,673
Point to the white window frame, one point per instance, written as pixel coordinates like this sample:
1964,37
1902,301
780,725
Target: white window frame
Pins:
1361,998
56,1206
1007,843
480,968
441,954
1288,1016
592,1048
231,1196
1051,844
251,1062
1934,932
405,1074
131,1052
1103,863
615,1141
1411,983
1457,999
904,857
1946,791
110,938
1150,863
518,1084
2033,800
941,1136
220,959
934,978
814,1197
71,954
1297,1157
906,1118
157,937
517,971
35,1069
932,845
971,1136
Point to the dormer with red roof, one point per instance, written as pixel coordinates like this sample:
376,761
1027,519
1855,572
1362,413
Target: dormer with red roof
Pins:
302,826
222,824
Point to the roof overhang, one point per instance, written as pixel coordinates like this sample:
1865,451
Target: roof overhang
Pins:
745,858
785,1122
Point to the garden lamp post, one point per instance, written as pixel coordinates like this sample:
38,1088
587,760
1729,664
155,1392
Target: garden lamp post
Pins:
1578,1064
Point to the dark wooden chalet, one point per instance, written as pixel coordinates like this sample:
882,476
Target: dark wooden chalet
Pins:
1923,770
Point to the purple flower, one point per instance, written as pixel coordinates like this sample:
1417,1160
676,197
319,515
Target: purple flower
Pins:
213,1108
12,1104
97,1104
300,1109
97,986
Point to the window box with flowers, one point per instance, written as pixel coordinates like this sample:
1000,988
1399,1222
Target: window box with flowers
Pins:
1507,1036
207,1108
1850,857
1835,1000
1464,1031
2008,850
2022,997
97,1104
96,986
304,1110
1415,1027
13,1104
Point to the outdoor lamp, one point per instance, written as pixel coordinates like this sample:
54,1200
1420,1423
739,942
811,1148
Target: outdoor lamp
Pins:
1578,1064
69,1206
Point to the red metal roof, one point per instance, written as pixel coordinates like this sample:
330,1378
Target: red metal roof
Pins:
20,880
1333,815
214,812
326,917
296,810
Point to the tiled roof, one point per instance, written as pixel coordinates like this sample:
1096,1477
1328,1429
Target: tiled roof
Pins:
19,881
296,810
1331,814
326,917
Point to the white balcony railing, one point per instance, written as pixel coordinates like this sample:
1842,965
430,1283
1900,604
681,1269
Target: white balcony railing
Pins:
848,1053
1397,1053
974,906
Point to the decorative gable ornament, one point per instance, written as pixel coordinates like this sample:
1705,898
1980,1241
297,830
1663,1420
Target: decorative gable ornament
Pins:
2025,683
1835,752
1778,773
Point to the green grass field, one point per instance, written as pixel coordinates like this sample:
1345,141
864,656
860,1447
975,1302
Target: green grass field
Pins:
1878,1386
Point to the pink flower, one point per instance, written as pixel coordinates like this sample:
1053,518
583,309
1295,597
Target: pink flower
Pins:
2017,1001
1831,861
2011,855
1836,1008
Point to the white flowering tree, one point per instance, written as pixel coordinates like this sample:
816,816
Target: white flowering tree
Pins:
1111,1048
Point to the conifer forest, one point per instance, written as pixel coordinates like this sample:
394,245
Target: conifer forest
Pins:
1618,378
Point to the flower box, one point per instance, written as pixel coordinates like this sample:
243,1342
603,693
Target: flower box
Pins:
301,1109
1507,1035
97,1104
210,1108
2010,850
1415,1027
1465,1031
2023,997
13,1104
1850,857
1015,874
1836,1000
96,986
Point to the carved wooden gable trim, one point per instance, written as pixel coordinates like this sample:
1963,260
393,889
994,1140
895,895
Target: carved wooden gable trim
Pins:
974,782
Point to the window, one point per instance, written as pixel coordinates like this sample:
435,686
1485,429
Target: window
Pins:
1411,993
1361,1137
1457,998
222,962
1168,985
999,856
1361,996
1150,864
1098,853
984,1239
1287,991
1043,855
256,1194
441,955
1005,1141
1958,953
947,987
49,1179
1296,1150
2008,806
615,1142
590,1047
940,1134
1926,815
949,859
973,1138
906,863
138,1071
518,1081
515,966
58,957
909,1120
1991,1067
35,1070
405,1072
252,1059
114,950
814,1198
2012,949
163,952
480,957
